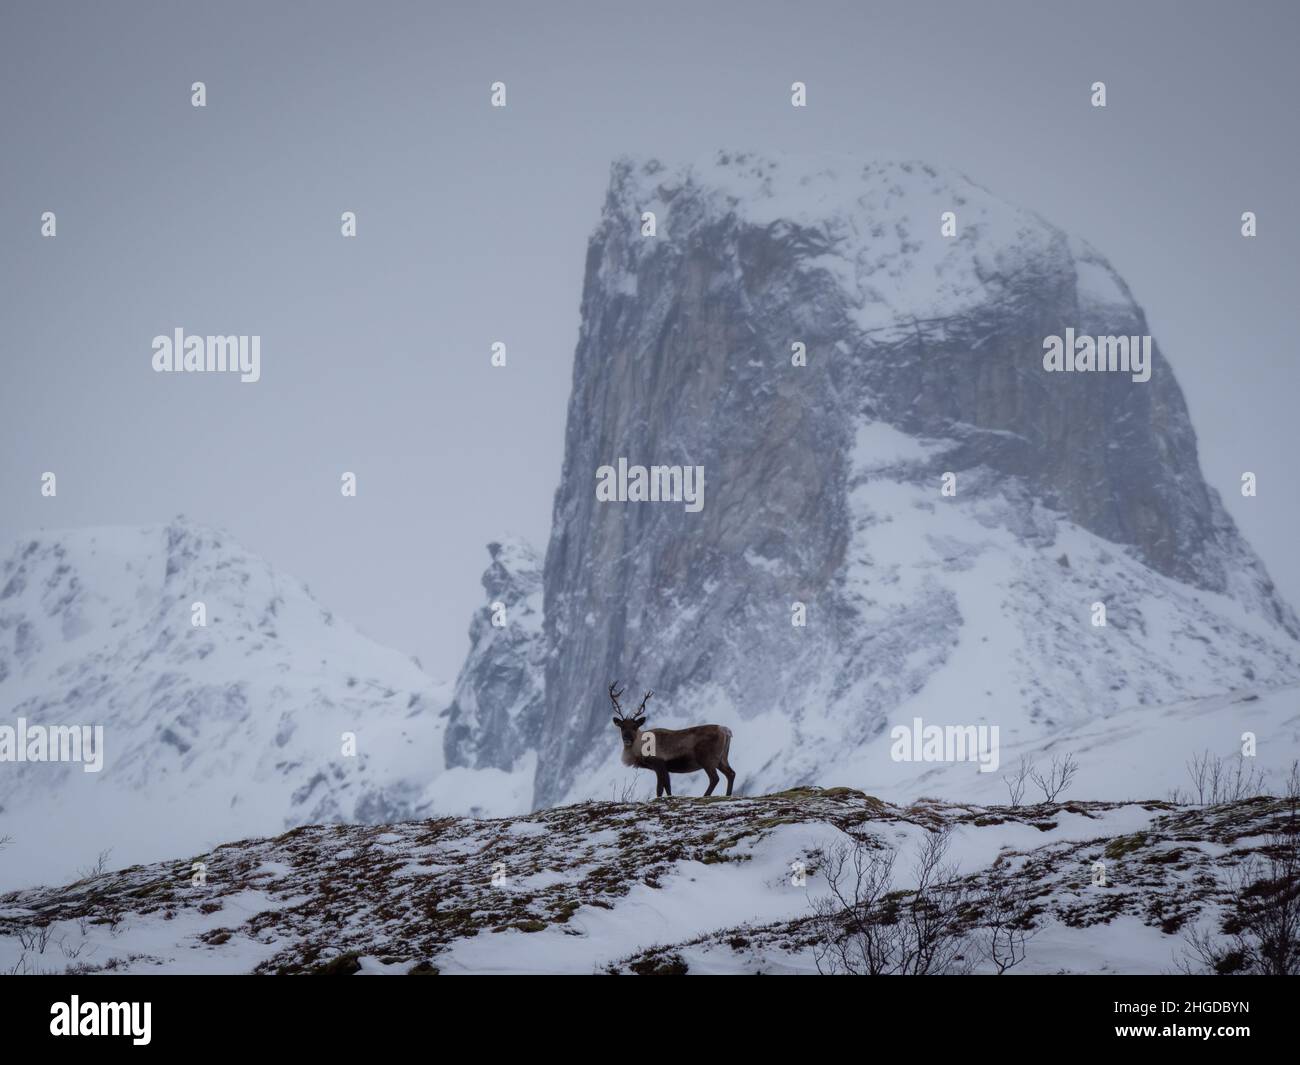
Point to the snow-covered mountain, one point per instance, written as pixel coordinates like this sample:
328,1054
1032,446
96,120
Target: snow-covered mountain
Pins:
824,486
211,732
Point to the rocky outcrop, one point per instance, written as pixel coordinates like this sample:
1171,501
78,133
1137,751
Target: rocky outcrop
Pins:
495,713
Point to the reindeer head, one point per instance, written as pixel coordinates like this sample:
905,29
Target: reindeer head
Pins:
629,726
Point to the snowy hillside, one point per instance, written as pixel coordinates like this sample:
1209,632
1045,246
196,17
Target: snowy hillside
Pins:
210,732
826,487
682,885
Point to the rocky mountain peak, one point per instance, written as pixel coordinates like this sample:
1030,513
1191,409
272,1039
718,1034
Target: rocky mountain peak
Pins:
923,365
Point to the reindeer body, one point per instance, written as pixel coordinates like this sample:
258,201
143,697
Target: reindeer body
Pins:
666,750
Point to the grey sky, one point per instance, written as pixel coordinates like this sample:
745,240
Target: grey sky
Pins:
473,225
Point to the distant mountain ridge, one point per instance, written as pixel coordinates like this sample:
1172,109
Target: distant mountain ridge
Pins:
236,727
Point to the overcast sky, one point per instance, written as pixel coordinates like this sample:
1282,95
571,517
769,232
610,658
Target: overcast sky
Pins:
473,225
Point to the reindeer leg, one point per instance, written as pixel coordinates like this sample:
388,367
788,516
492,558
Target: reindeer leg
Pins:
668,787
724,762
713,781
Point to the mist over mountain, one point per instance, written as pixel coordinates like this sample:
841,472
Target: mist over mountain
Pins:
924,358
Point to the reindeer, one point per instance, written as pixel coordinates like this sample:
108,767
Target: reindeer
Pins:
668,750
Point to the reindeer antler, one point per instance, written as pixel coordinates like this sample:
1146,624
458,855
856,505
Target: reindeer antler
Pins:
641,709
614,697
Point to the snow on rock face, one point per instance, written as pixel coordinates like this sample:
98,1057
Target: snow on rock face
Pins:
210,732
823,481
872,226
495,712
